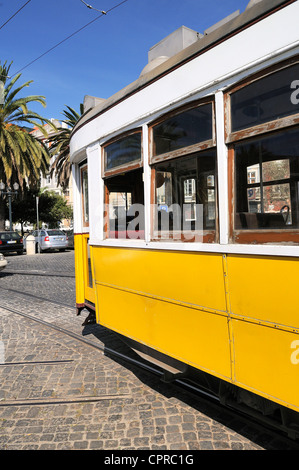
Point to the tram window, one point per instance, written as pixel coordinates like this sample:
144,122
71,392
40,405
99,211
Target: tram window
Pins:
183,130
264,100
123,151
84,193
124,212
267,179
185,195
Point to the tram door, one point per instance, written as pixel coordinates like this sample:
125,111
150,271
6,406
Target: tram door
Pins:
87,296
88,280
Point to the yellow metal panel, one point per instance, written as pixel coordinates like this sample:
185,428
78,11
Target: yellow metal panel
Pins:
192,278
267,362
78,247
83,290
264,288
190,335
88,283
90,291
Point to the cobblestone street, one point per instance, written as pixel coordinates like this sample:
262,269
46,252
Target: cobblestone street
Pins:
57,392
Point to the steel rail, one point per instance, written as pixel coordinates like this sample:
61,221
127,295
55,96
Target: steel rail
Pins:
211,399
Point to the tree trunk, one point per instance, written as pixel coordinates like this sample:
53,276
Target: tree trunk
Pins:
2,214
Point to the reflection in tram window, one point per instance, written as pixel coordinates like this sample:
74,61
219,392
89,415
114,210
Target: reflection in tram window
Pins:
123,151
267,175
264,100
125,206
186,198
184,129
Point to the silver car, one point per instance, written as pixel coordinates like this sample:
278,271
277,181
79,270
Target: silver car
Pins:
3,262
50,239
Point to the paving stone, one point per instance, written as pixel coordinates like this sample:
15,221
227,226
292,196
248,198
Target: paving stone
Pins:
47,376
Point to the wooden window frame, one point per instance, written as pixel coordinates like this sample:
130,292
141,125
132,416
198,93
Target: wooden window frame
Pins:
83,168
208,236
185,150
254,236
127,166
107,174
106,219
259,129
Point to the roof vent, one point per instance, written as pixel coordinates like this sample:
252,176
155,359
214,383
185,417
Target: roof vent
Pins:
170,46
252,3
91,102
153,64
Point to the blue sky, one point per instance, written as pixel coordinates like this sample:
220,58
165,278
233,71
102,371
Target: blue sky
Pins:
105,56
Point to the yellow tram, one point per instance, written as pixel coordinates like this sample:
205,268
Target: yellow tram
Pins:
186,209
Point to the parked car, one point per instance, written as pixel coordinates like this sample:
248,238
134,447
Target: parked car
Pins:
3,262
50,239
10,242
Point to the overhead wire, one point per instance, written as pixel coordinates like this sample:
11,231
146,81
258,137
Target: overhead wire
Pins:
15,14
7,21
92,8
71,35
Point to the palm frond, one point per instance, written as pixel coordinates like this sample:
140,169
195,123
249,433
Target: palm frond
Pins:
60,146
22,155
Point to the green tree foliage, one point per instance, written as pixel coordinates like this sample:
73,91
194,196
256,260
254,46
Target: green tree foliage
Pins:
24,208
22,157
60,146
52,208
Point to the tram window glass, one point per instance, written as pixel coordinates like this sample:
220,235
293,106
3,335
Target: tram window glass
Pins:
124,212
84,194
123,152
264,100
267,182
183,130
185,195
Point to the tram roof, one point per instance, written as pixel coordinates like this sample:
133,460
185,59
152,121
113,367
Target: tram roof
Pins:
251,15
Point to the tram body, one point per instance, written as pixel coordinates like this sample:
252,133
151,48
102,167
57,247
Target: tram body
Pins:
221,299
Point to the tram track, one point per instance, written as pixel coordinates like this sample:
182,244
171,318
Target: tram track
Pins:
61,401
38,272
180,384
38,297
76,336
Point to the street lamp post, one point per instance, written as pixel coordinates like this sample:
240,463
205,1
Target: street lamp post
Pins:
9,193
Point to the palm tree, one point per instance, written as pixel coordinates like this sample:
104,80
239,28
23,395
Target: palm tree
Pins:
60,147
22,157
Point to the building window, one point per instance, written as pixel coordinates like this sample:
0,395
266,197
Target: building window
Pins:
183,159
